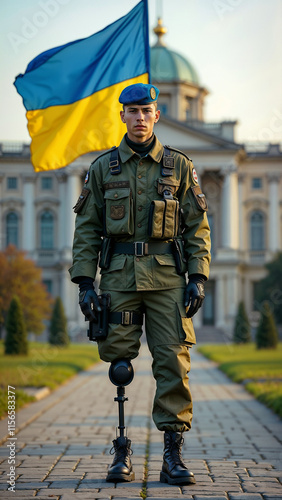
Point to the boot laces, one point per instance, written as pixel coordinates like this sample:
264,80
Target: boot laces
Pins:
121,452
175,450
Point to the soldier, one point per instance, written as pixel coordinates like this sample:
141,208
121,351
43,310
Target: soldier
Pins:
143,215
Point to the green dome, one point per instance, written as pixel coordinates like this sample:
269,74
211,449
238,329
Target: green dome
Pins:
167,65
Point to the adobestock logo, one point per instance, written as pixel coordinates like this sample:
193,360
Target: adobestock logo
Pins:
48,9
225,7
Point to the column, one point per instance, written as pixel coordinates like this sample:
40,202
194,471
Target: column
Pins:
229,209
65,286
273,230
62,211
2,234
241,179
68,291
198,319
232,297
73,190
29,219
220,302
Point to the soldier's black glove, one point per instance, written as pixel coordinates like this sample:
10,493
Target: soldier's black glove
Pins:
88,299
194,294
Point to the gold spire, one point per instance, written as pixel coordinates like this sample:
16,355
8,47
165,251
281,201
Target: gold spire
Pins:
160,31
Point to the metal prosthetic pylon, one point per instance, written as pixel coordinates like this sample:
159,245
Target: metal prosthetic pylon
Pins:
121,374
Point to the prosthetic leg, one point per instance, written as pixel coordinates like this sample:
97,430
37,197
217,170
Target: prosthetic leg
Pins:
121,374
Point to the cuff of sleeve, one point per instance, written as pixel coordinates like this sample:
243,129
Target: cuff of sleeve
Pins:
197,278
78,270
198,267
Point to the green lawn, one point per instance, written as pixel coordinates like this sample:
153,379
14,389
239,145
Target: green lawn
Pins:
45,366
261,370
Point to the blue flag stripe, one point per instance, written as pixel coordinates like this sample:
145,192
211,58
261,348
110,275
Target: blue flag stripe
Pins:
117,53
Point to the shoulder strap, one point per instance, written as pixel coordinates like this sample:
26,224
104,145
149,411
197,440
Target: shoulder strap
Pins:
114,164
167,162
178,151
103,154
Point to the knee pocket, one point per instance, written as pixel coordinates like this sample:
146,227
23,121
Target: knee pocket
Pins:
171,361
185,326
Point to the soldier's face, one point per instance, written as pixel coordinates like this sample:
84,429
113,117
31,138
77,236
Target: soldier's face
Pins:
140,121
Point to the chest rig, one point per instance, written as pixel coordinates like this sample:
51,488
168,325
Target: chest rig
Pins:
163,221
166,167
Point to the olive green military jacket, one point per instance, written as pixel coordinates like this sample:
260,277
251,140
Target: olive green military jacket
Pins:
119,206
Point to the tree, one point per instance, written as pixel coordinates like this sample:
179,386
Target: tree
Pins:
58,325
16,338
242,329
270,288
267,335
19,276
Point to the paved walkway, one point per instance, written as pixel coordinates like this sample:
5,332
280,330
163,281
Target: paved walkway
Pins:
63,443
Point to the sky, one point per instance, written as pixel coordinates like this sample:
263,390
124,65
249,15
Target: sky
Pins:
234,45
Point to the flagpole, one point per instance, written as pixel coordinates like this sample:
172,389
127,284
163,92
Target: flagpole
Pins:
146,25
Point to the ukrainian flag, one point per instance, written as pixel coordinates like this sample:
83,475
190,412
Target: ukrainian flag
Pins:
71,92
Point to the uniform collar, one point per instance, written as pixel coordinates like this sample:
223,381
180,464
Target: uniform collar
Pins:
126,152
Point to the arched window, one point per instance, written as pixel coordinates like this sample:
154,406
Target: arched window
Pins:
12,229
47,230
257,231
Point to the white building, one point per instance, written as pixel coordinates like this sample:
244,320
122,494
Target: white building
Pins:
243,188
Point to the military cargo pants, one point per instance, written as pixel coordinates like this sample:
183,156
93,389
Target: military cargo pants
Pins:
169,334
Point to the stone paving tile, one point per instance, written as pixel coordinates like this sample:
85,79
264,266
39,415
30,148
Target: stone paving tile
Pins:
272,496
19,495
245,496
208,497
31,485
234,447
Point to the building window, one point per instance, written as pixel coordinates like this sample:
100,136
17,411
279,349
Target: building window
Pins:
12,229
256,182
257,231
162,108
256,295
49,286
46,183
188,114
12,183
47,230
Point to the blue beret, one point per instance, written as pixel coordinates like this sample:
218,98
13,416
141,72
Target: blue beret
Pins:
139,93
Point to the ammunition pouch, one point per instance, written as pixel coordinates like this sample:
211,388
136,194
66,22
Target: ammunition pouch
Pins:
164,219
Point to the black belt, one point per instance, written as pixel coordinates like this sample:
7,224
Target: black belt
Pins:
140,248
126,318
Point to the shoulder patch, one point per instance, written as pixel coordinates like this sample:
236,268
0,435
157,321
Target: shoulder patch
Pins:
178,151
86,178
195,177
81,200
103,154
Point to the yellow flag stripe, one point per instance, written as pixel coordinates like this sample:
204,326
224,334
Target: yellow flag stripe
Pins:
60,134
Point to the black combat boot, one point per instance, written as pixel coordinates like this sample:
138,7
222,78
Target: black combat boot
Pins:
174,470
121,468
